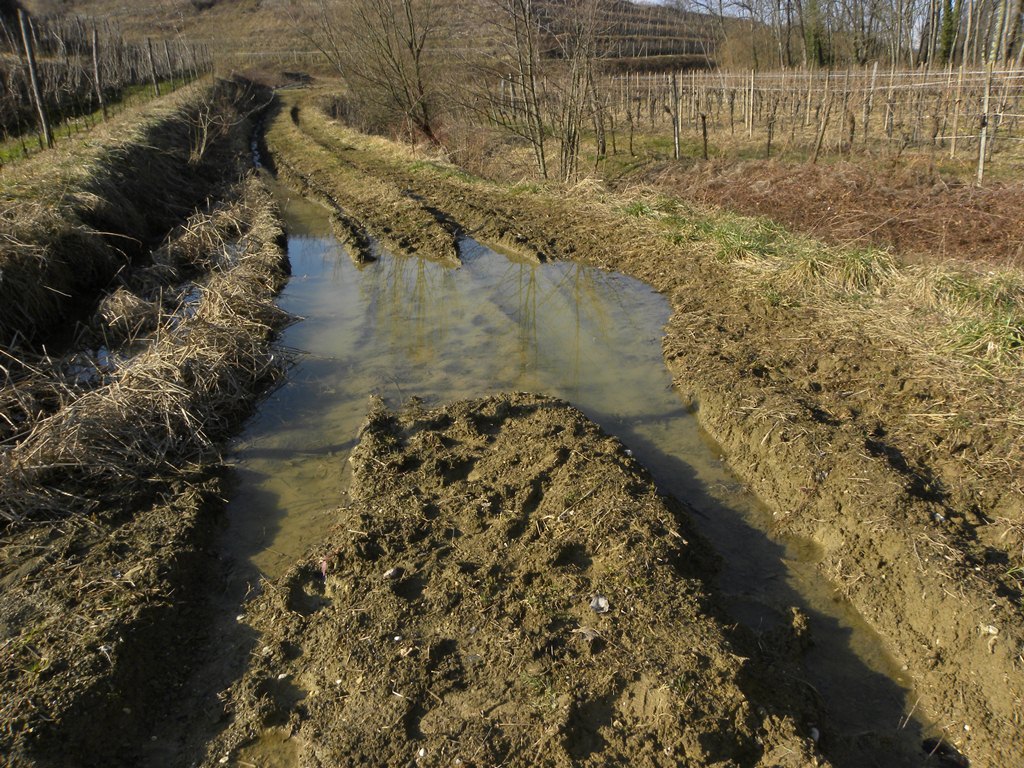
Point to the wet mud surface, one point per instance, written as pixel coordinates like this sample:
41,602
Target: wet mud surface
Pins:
504,584
507,587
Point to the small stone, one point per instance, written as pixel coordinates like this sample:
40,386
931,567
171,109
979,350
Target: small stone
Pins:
393,573
589,634
599,604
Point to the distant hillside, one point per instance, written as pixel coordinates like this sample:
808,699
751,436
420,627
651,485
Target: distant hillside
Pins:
631,35
229,26
648,36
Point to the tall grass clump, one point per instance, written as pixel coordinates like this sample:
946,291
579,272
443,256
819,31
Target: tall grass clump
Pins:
163,409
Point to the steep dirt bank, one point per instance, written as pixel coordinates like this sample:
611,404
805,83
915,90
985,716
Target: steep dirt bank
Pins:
507,588
908,477
74,216
111,499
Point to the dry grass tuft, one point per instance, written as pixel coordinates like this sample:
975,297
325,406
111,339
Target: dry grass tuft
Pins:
73,217
161,412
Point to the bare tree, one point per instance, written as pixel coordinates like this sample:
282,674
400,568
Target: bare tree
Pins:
387,50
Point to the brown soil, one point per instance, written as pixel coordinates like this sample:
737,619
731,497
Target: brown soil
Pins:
478,534
910,210
907,478
447,619
361,202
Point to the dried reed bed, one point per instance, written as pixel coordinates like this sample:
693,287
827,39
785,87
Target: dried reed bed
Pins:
72,217
163,413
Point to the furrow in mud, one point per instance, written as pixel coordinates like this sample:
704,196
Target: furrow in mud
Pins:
364,203
72,219
819,420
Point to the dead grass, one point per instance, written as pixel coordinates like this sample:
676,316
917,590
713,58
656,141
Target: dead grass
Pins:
163,411
74,216
911,209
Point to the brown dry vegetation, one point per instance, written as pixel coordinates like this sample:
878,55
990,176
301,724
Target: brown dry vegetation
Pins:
110,437
116,487
874,406
911,210
73,216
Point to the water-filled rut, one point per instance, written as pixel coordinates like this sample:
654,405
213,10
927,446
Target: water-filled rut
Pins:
403,327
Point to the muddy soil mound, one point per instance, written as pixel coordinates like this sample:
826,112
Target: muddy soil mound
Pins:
507,588
361,202
861,438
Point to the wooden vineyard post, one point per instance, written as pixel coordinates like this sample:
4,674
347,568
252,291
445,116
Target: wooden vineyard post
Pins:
152,67
675,116
30,56
170,65
826,109
704,132
96,72
750,109
983,142
869,103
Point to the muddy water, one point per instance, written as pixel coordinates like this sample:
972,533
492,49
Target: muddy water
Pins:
402,327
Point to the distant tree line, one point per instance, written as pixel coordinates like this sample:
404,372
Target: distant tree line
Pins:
901,33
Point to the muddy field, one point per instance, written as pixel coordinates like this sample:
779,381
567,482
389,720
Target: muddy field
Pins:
899,458
503,584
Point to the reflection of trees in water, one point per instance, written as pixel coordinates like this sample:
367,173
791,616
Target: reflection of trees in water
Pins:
327,250
411,302
561,301
558,312
519,280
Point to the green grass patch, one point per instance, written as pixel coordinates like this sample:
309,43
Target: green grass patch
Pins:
17,148
998,340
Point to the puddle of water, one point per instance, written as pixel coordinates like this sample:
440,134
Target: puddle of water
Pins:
401,327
